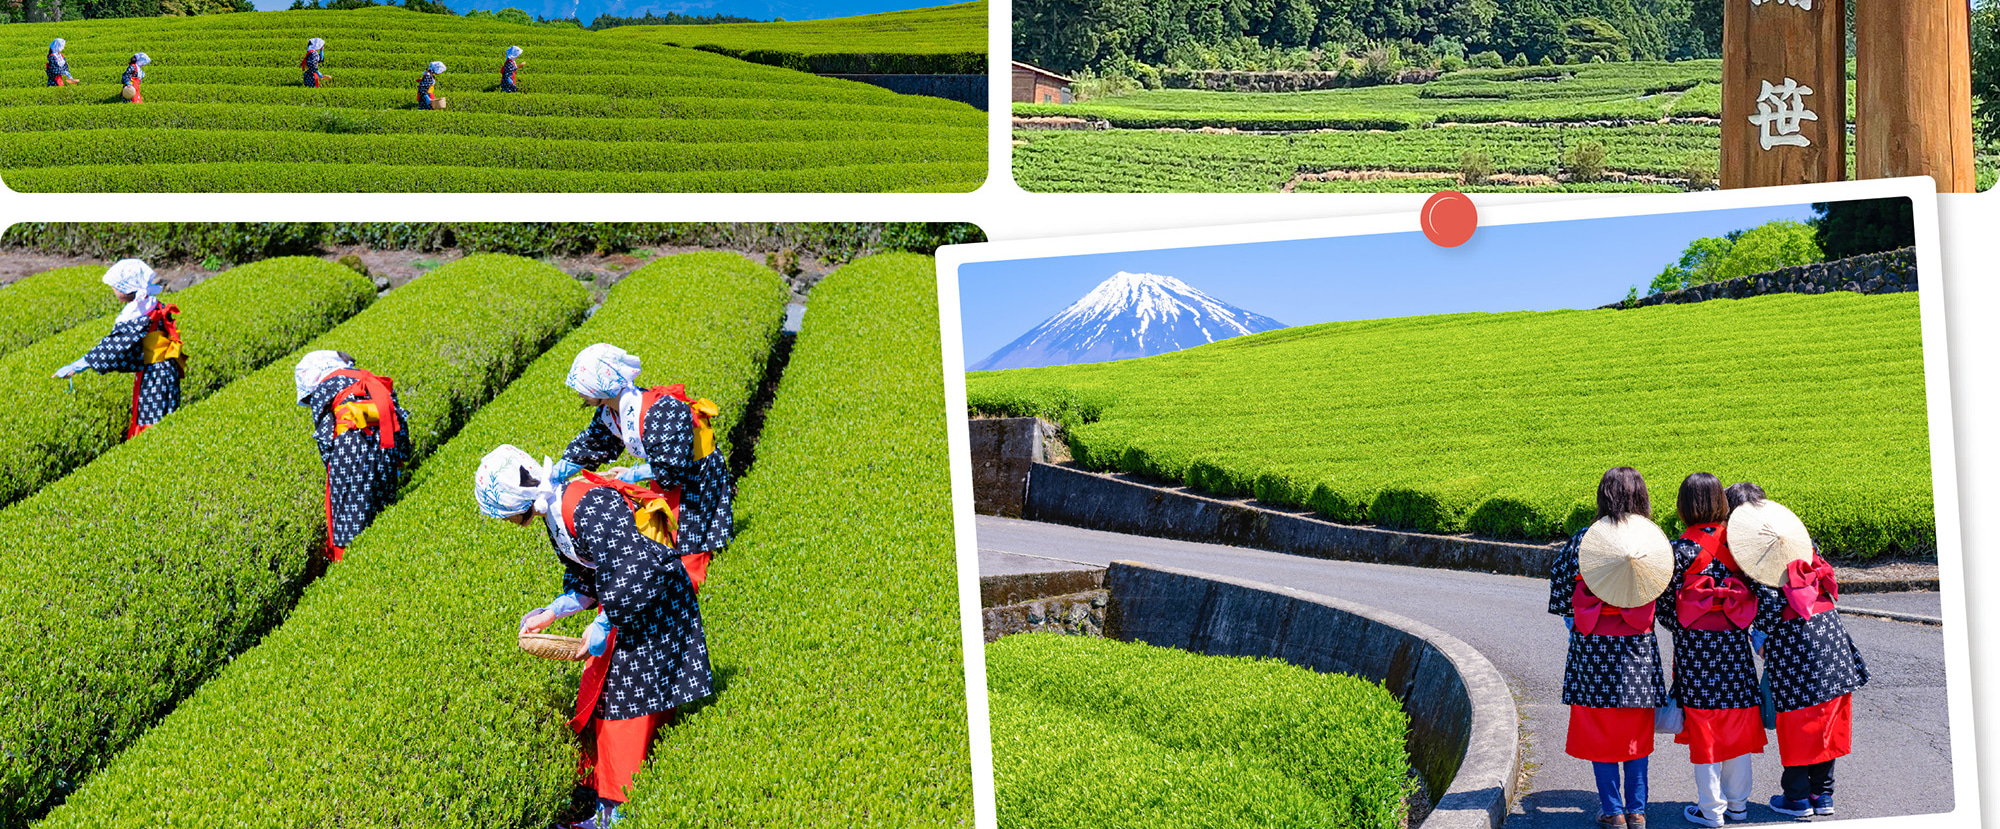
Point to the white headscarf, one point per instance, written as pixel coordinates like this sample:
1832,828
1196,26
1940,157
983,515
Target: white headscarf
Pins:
497,485
57,45
513,51
603,371
131,276
315,45
437,67
313,368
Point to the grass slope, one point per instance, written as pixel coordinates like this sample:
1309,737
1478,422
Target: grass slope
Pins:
833,617
1098,734
394,694
51,301
1501,424
944,39
627,114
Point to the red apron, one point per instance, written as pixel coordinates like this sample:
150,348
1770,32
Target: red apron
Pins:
1713,735
1817,734
1609,735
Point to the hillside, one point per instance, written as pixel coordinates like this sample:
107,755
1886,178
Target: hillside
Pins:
1500,424
943,40
225,111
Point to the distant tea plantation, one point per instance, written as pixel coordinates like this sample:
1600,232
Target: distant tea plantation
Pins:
225,110
1500,424
202,642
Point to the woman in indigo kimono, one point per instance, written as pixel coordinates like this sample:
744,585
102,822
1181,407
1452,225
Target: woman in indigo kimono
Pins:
309,65
672,435
133,75
427,85
58,66
145,341
648,652
363,437
508,68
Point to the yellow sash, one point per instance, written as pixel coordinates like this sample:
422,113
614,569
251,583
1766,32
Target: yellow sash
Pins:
656,520
157,347
704,434
353,415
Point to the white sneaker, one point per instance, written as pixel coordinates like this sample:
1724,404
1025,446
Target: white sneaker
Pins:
1737,813
1695,816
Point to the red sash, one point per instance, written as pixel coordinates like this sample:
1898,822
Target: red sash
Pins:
1596,618
1810,588
371,389
1705,603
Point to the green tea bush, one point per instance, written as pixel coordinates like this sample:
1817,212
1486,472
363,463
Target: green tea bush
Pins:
131,582
394,693
843,698
945,39
313,177
230,325
51,301
1820,399
1097,733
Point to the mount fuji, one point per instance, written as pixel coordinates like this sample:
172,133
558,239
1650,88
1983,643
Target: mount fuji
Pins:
1129,315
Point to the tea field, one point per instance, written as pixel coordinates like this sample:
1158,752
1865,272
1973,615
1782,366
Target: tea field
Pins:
1501,424
1098,733
944,39
1657,122
390,691
225,111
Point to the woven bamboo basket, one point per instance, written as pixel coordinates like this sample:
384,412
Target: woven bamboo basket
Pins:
551,646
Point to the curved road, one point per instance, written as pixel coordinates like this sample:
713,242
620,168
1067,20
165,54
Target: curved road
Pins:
1901,763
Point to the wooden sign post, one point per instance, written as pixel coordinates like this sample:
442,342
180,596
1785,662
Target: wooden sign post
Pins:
1784,92
1913,91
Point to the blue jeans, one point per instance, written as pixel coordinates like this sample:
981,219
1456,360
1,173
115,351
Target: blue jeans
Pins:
1607,787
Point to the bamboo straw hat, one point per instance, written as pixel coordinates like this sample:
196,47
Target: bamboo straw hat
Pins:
551,646
1765,538
1626,560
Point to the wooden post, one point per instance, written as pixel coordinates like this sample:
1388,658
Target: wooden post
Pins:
1913,91
1773,130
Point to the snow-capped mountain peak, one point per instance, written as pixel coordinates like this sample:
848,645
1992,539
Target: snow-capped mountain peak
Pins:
1128,315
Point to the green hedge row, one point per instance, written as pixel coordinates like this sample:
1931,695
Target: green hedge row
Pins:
269,177
834,618
304,119
126,585
1094,733
1147,119
243,241
850,63
51,301
394,694
231,325
148,147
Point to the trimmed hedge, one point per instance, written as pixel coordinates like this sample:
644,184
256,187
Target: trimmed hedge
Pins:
394,693
833,619
949,176
51,301
1095,733
861,63
128,584
231,325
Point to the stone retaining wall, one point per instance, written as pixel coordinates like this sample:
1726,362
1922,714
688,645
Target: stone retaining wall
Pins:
1888,272
1464,728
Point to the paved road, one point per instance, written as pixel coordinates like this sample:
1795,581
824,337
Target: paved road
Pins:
1902,759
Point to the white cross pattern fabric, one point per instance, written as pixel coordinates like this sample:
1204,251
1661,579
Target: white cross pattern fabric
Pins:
659,660
361,476
1603,671
707,520
1808,661
159,388
1713,669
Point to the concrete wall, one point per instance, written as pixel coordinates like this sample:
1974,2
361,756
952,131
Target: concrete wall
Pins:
1004,451
1463,724
1065,495
1888,272
965,89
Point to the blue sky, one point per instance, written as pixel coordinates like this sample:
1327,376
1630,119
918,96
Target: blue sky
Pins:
1525,267
759,9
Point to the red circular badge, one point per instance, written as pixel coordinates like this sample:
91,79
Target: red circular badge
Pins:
1449,218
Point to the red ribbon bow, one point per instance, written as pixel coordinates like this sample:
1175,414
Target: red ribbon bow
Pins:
1708,604
1810,588
1595,617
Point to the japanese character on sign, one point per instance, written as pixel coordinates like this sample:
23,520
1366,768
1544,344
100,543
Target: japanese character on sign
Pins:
1780,109
1803,4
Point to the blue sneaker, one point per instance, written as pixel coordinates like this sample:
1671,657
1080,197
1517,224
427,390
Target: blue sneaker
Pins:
1823,804
1795,808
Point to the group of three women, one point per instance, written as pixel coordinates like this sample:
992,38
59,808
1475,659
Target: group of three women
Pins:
1743,581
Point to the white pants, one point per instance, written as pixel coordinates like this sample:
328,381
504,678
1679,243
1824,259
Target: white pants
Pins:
1719,784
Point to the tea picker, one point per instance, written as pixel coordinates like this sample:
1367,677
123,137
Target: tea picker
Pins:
363,437
133,75
1810,663
427,87
673,437
315,55
614,540
58,66
508,68
145,342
